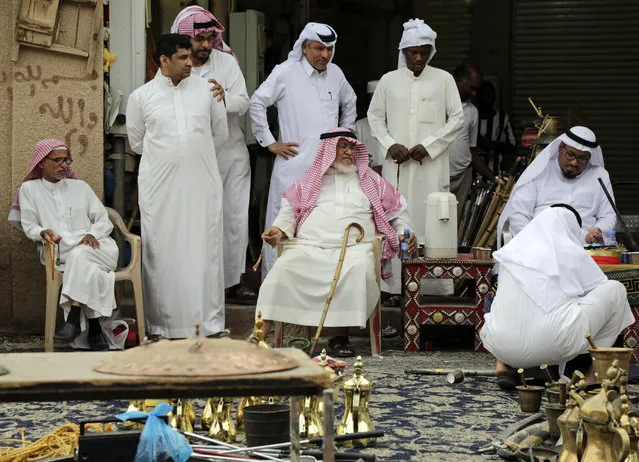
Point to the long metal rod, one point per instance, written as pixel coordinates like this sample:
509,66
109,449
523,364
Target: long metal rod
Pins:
229,446
434,371
295,428
329,444
619,217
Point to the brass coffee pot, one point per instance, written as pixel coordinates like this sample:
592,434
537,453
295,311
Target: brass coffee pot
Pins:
357,391
601,421
182,417
337,379
629,422
258,338
310,425
569,423
221,426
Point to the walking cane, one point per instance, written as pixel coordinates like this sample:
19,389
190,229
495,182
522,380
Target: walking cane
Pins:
338,270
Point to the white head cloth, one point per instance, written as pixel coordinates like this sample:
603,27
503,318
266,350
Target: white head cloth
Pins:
317,32
551,153
548,261
371,86
416,33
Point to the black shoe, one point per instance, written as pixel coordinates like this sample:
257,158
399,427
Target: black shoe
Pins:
222,334
97,342
67,333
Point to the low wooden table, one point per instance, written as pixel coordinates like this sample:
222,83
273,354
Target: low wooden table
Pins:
417,314
70,376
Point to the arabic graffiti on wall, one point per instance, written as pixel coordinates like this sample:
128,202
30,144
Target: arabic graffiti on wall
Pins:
70,110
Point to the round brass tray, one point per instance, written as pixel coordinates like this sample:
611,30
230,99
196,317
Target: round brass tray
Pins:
606,251
195,357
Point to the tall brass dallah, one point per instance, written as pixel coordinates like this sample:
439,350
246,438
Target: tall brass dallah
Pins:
357,391
606,440
337,378
568,422
221,426
258,338
310,425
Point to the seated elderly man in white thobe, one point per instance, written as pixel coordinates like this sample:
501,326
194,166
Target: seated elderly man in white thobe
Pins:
338,189
53,206
566,171
551,294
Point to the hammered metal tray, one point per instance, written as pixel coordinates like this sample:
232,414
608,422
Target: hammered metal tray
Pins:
195,357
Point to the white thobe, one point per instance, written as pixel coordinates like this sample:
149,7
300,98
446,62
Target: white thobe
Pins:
460,156
550,187
180,196
375,152
233,162
71,210
296,288
413,110
518,332
308,104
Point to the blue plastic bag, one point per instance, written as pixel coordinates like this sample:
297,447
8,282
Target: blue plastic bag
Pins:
158,441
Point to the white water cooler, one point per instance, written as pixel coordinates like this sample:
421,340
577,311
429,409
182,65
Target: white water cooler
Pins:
441,225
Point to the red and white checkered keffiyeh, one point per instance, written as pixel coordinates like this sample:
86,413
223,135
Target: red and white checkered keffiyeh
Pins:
187,19
41,150
384,198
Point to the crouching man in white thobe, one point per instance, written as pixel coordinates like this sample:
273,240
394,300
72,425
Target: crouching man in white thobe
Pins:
338,189
55,207
551,294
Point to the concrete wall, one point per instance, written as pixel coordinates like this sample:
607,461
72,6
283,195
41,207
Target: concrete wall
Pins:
44,95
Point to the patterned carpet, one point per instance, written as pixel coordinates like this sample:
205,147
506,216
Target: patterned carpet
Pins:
424,418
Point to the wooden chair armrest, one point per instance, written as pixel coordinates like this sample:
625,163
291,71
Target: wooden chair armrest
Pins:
286,242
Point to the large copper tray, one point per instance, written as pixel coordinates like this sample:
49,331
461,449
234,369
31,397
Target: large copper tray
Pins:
198,356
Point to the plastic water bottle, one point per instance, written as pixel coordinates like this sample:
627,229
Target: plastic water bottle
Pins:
612,238
404,255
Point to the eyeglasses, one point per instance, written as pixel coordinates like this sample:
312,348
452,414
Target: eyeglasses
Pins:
570,156
61,160
202,38
343,146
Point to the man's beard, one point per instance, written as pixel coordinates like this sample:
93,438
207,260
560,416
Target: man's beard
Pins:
569,176
343,169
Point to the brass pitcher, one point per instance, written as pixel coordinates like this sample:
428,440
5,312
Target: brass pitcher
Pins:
601,421
310,426
569,423
182,416
207,415
629,422
357,391
337,379
222,426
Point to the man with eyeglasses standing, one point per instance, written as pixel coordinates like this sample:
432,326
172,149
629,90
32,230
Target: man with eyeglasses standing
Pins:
566,171
213,60
52,205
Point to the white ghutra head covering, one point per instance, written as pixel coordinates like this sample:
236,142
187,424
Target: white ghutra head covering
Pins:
548,261
316,32
416,33
578,137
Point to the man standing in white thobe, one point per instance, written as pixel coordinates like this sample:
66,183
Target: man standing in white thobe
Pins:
463,155
220,68
53,206
338,189
175,122
566,171
309,92
416,114
364,134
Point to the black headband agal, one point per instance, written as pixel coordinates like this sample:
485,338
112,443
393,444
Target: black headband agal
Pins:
345,133
580,140
572,209
327,38
205,25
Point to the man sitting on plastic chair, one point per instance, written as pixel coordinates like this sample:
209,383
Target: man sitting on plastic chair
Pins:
338,190
54,207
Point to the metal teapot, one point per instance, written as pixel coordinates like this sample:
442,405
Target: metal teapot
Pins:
357,391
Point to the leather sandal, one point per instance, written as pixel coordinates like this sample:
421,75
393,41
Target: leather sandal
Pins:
341,347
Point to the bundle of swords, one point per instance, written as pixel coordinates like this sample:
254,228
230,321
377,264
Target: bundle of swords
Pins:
478,224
